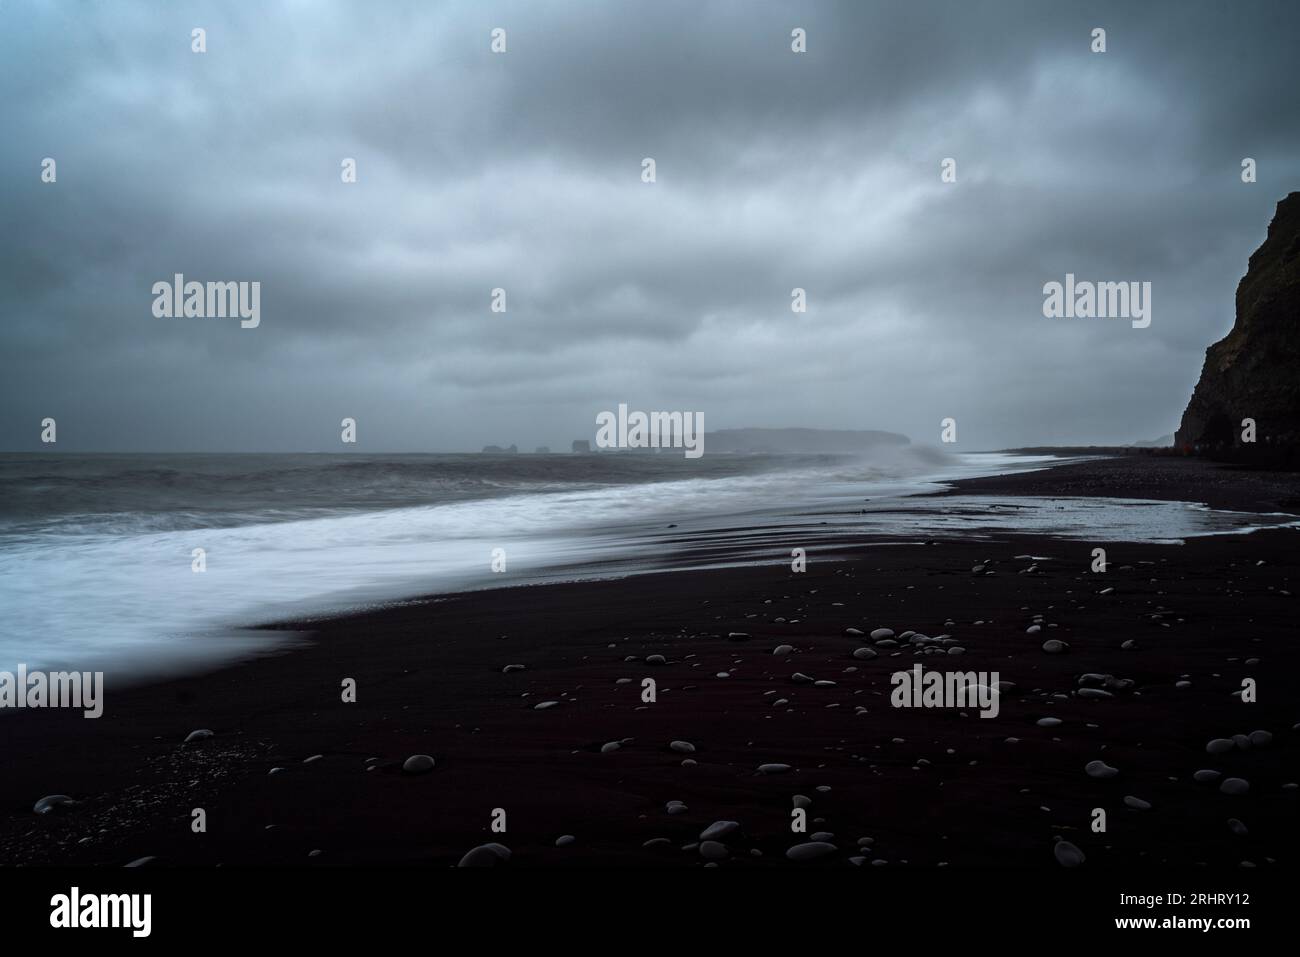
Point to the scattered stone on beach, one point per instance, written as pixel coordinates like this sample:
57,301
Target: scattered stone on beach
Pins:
1236,827
1234,786
313,759
1128,645
1100,770
1220,746
418,764
1136,803
1049,722
811,851
544,705
486,855
1206,776
801,800
1067,855
564,840
782,649
800,678
853,632
509,668
53,802
201,734
882,634
864,654
738,636
275,771
1260,738
682,747
1033,629
142,861
657,842
676,807
1054,646
656,660
719,830
773,768
610,746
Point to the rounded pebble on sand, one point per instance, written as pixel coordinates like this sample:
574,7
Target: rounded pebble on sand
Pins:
544,705
1220,746
682,747
1054,646
564,840
782,649
418,764
1100,770
713,851
486,855
1136,803
1067,855
1049,722
1234,786
52,802
773,768
202,734
1206,776
811,851
880,634
719,830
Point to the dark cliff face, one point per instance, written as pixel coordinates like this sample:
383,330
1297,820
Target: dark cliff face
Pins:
1254,371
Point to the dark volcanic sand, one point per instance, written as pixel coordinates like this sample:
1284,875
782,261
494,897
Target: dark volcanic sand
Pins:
429,677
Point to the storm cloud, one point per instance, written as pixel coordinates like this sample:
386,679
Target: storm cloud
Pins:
522,170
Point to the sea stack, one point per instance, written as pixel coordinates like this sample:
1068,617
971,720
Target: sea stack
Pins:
1254,371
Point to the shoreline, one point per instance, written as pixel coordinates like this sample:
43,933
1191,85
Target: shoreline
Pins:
430,679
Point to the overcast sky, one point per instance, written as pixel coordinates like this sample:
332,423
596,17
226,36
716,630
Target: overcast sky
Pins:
522,170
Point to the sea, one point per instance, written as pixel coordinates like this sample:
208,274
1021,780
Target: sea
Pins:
151,563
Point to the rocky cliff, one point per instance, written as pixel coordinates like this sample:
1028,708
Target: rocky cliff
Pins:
1254,371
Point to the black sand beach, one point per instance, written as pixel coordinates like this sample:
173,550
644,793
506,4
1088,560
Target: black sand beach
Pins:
885,786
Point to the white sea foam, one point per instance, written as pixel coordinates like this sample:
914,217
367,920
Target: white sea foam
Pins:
98,594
